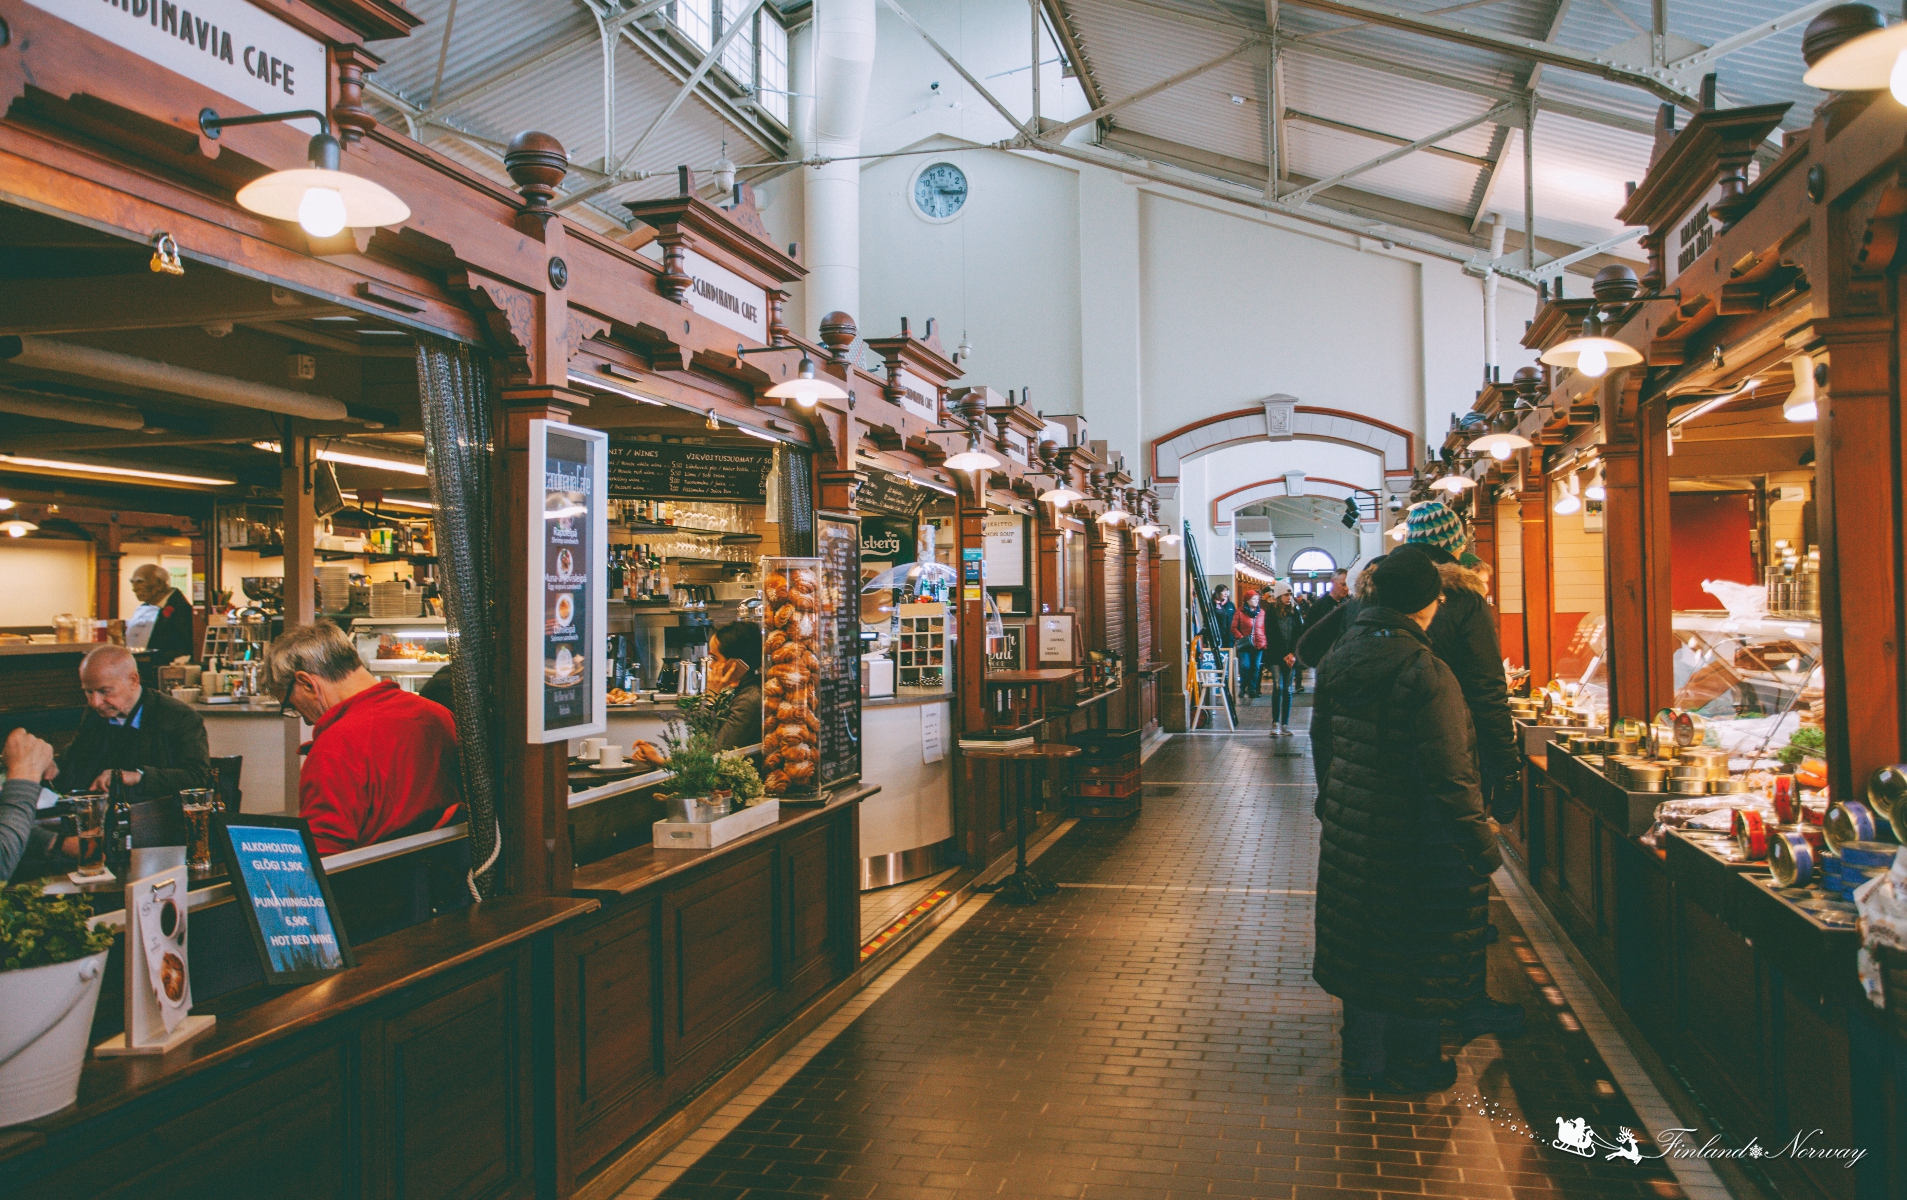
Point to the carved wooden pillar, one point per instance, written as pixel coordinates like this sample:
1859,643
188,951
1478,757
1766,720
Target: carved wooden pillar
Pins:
1538,620
1636,568
106,579
1857,476
301,531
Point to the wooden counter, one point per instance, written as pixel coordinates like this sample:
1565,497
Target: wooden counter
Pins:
414,1073
693,957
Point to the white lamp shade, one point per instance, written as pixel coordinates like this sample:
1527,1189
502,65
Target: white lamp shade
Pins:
805,392
1061,495
18,528
1508,443
1111,516
281,195
1570,353
1802,403
969,460
1864,64
1453,483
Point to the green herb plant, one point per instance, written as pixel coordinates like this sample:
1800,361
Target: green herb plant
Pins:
738,773
38,930
1803,743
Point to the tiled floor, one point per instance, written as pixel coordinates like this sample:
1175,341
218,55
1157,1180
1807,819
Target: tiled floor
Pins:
1153,1032
884,906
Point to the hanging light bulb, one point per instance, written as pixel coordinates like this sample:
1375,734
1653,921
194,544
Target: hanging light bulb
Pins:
1453,483
1596,490
804,389
964,350
1170,539
973,458
1399,531
1590,352
1570,501
1500,444
1802,403
322,199
725,172
1061,495
6,505
1874,60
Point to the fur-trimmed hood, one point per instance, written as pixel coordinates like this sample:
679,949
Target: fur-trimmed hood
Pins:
1459,578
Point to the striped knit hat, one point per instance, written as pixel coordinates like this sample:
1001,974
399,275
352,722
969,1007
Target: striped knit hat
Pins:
1431,523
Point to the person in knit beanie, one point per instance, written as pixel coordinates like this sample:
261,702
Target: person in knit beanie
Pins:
1431,523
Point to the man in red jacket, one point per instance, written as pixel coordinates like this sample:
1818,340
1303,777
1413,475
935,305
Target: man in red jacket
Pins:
381,763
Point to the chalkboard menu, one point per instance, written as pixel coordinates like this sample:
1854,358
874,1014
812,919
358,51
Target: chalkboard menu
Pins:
838,699
669,471
884,493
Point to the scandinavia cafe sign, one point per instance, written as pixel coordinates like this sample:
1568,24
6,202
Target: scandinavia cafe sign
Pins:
230,46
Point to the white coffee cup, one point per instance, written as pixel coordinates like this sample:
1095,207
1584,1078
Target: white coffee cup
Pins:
593,748
610,756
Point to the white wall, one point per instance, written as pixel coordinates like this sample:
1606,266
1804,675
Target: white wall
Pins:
39,579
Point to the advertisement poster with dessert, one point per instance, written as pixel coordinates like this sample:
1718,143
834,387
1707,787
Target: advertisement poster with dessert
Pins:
569,546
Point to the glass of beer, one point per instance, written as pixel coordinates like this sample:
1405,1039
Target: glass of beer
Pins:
198,805
89,820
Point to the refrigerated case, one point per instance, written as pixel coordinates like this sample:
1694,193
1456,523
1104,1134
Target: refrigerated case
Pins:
408,649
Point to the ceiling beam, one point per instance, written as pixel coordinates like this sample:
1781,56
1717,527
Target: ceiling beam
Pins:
1500,141
1304,118
1402,70
1759,32
1390,156
147,301
1059,132
1657,81
1069,45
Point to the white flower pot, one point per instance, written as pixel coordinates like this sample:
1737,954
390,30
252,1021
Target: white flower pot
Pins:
49,1012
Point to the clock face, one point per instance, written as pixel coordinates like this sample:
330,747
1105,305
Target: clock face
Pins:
940,190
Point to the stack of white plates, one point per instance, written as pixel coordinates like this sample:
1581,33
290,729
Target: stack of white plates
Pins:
334,588
394,598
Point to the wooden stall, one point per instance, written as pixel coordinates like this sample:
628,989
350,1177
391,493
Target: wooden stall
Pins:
1743,479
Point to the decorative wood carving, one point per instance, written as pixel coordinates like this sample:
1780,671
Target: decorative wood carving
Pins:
745,213
582,327
837,334
778,331
510,315
349,114
675,281
685,222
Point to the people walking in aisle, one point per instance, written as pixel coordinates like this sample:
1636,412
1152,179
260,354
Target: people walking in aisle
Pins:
1222,601
1248,640
1282,626
1407,848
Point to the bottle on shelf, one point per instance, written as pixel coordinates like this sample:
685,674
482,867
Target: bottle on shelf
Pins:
119,828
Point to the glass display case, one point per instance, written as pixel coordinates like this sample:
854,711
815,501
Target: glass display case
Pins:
1754,680
407,649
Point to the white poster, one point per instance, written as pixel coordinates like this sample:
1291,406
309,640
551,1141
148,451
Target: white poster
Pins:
1006,550
231,46
932,746
725,297
1056,638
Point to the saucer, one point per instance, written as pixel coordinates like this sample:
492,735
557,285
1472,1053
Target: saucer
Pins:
621,766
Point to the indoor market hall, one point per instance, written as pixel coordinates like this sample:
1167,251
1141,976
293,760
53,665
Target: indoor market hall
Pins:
1151,1029
946,599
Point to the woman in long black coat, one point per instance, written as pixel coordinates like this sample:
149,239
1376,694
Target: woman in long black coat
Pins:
1407,848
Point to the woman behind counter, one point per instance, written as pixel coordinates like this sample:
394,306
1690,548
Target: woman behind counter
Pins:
734,662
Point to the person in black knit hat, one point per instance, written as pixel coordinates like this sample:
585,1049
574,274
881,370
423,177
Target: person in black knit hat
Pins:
1407,848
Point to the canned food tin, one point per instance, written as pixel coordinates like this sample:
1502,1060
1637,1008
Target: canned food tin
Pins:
1852,821
1690,729
1751,834
1689,787
1812,834
1785,808
1791,859
1648,772
1887,789
1728,787
1868,854
1646,785
1689,771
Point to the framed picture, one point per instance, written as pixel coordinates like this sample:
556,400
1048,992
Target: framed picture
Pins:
1011,656
568,530
280,885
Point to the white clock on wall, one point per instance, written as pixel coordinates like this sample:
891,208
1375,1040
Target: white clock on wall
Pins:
939,191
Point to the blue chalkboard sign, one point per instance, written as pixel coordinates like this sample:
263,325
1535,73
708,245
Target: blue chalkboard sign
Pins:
279,883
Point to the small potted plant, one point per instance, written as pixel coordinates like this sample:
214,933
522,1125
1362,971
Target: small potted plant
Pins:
51,962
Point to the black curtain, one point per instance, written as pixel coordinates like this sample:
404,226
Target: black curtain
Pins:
456,394
794,500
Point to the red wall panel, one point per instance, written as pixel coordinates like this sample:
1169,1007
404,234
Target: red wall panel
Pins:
1708,539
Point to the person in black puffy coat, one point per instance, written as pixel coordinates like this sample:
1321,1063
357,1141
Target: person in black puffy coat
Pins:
1407,848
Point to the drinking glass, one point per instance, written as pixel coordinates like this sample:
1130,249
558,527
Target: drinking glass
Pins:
89,820
198,805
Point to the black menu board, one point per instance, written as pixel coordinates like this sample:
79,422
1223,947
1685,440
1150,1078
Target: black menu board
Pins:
670,471
885,493
838,697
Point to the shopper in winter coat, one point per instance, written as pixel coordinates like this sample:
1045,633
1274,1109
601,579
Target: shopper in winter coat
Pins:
1465,636
1248,641
1222,601
1282,627
1407,848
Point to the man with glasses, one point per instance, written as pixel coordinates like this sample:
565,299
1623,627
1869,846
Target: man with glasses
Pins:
156,743
381,763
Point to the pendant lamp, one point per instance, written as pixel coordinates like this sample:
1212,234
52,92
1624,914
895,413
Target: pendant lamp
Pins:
322,199
1590,352
805,389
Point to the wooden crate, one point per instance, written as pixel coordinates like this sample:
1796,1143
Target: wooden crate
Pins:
1107,768
1087,809
1117,788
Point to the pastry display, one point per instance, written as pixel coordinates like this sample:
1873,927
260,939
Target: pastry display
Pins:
791,665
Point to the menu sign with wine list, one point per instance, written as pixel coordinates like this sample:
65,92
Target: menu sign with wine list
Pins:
672,471
837,544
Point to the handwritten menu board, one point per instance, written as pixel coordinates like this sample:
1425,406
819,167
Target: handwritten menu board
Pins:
883,493
669,471
838,700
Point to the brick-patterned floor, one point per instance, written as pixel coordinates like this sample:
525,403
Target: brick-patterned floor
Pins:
1153,1032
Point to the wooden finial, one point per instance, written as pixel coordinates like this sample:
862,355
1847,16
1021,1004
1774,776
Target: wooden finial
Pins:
837,334
537,163
349,114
